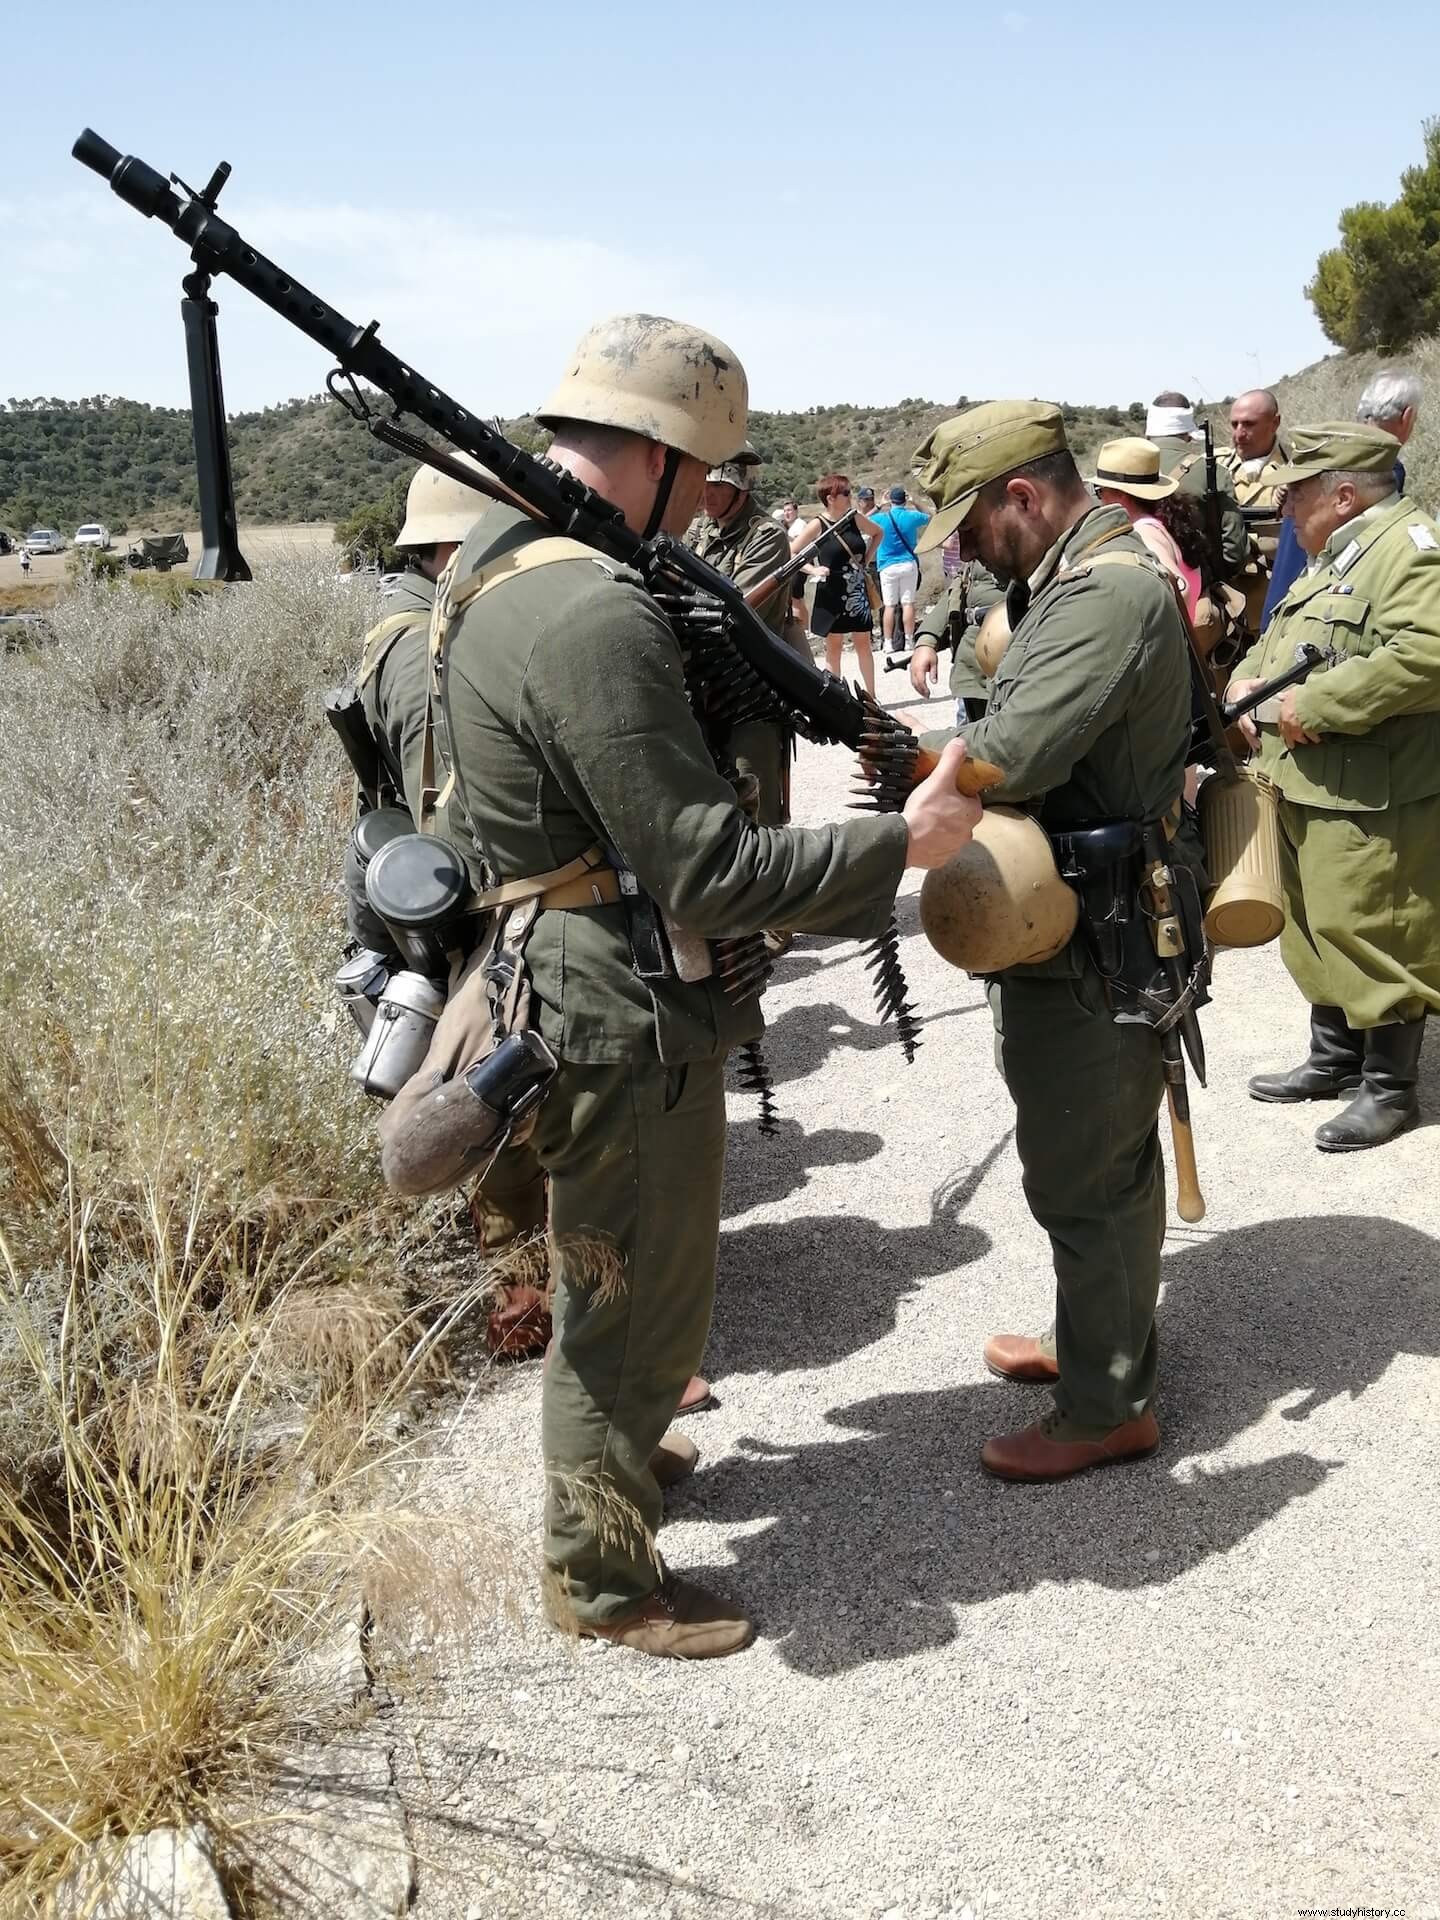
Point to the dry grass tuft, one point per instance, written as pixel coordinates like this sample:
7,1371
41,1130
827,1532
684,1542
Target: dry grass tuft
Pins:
213,1326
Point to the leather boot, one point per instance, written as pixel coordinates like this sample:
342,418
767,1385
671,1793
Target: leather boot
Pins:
1016,1356
1387,1102
1333,1068
679,1621
674,1460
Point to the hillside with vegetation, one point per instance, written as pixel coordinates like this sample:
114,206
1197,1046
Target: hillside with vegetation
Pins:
1329,389
131,465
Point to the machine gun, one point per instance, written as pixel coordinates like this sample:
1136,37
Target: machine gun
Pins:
767,679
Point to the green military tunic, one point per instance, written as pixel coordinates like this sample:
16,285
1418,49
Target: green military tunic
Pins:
747,550
1185,459
568,723
971,593
394,679
1089,720
1360,811
395,685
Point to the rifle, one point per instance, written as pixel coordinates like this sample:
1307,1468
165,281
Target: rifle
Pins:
762,591
1208,728
1214,534
768,679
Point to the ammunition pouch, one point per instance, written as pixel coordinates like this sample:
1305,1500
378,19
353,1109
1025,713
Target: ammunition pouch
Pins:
1105,864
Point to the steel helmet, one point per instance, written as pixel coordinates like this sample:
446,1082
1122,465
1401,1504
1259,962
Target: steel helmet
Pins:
738,471
664,379
439,509
1000,902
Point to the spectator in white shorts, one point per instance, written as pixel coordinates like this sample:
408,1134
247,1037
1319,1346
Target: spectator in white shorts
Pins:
898,565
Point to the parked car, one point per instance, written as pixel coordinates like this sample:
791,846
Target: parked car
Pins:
7,545
93,535
44,540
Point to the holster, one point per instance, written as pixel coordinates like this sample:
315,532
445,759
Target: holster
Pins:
1104,863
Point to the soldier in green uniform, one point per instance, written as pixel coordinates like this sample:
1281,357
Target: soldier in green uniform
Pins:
569,730
394,683
1355,754
952,622
747,546
1089,721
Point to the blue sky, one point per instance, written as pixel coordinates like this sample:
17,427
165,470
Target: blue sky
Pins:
867,202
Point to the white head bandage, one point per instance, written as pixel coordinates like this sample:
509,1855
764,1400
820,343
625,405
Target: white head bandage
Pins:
1162,423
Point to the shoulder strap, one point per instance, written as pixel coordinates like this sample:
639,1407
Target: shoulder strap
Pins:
902,536
1182,467
380,639
451,600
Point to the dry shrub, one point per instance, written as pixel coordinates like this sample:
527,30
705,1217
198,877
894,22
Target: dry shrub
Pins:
211,1327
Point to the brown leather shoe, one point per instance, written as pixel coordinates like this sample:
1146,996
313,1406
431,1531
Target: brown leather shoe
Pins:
1038,1453
518,1325
679,1621
697,1395
674,1459
1015,1356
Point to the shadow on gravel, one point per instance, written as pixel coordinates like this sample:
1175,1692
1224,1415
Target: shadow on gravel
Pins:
803,1038
808,1292
760,1171
878,1535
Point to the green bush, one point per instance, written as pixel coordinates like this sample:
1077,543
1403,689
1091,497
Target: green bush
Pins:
1380,288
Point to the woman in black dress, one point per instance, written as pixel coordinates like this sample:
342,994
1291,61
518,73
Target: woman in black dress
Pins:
841,603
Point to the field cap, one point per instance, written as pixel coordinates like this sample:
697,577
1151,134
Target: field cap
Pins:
865,493
1133,466
971,449
897,496
1338,446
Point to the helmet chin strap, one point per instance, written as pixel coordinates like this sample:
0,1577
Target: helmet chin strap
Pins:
662,493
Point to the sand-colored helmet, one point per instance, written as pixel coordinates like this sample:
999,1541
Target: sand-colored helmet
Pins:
1000,902
992,637
661,378
439,509
740,470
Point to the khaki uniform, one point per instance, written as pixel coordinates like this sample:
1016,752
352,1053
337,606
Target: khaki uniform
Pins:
746,550
568,723
1255,486
1360,811
1089,719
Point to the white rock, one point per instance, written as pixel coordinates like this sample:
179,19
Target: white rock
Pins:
168,1874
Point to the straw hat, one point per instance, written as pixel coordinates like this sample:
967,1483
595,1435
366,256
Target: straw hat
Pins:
1133,467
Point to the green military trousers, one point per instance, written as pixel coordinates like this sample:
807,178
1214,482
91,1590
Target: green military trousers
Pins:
636,1157
510,1202
1362,909
1087,1095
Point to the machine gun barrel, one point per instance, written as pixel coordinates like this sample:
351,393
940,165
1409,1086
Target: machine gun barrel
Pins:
826,707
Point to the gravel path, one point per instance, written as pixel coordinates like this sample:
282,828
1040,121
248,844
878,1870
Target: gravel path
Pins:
1201,1686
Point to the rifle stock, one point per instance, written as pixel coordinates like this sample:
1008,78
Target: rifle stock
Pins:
763,590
